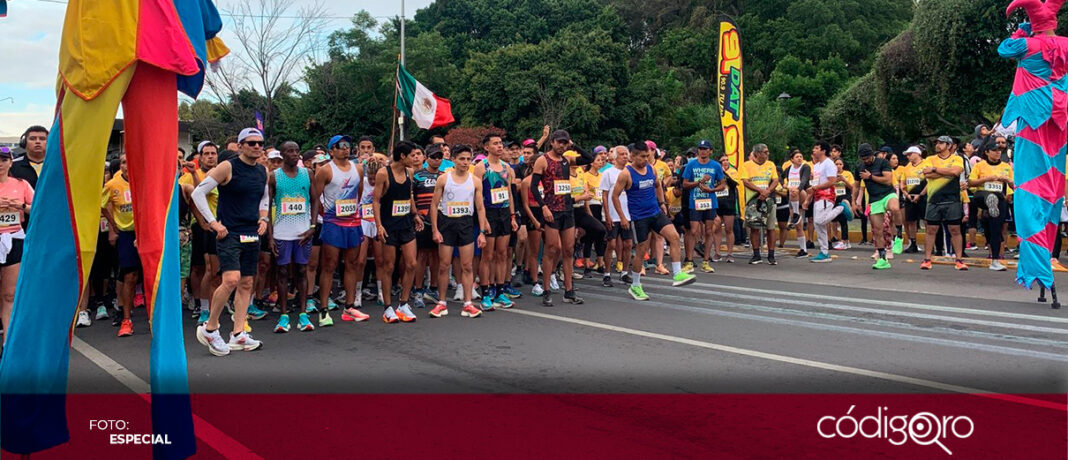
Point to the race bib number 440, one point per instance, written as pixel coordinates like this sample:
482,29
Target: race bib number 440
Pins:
293,206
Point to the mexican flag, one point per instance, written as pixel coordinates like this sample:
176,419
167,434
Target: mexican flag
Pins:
414,100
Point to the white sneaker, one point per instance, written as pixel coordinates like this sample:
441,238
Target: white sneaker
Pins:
215,343
83,319
243,342
840,246
101,312
996,265
537,291
553,284
459,297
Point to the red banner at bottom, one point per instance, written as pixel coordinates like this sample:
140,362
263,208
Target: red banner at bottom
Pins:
582,426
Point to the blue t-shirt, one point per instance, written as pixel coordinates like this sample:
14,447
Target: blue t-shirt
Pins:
695,171
445,164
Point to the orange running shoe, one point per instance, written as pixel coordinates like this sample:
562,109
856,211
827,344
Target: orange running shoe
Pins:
404,313
1057,267
925,265
470,311
579,262
126,329
961,266
352,314
273,298
440,310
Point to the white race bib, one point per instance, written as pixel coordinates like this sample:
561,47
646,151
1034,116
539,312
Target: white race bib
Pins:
10,218
293,206
457,209
674,209
994,187
345,208
127,197
794,183
103,225
723,193
368,211
912,181
703,204
839,190
561,187
499,195
249,238
401,208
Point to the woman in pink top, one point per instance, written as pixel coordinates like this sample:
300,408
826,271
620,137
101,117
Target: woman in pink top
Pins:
16,196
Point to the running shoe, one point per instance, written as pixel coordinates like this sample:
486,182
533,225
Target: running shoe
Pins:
101,312
126,329
579,262
662,270
553,284
898,246
626,278
503,301
961,266
439,310
488,304
273,298
213,340
771,260
404,313
243,342
912,249
848,213
1057,267
537,291
925,265
570,297
353,315
996,265
459,295
687,267
801,254
706,267
637,293
517,280
389,316
367,294
331,304
512,292
682,279
755,260
325,320
607,281
470,311
527,279
283,325
248,327
304,323
821,258
881,264
430,296
83,319
255,313
971,247
547,300
417,301
309,306
230,307
203,318
729,259
992,206
840,246
576,275
717,258
139,300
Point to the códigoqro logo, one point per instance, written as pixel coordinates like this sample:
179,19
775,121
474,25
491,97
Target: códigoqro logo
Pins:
923,428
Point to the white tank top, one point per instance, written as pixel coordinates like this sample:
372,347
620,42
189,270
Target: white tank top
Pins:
342,187
458,200
367,211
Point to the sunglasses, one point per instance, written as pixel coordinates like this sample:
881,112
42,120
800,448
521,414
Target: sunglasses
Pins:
436,156
343,145
254,143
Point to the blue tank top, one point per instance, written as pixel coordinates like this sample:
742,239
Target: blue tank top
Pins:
641,196
495,186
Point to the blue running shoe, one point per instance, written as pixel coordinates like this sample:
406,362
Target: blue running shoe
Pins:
255,313
203,317
487,302
283,325
503,300
512,292
304,324
430,296
310,306
848,213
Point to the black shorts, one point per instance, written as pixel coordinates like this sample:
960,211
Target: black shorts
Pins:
782,214
701,216
15,255
317,240
914,212
265,245
614,231
726,207
680,223
237,256
129,259
562,220
514,239
642,227
424,240
196,238
973,213
211,243
944,213
500,222
456,231
538,218
399,236
105,261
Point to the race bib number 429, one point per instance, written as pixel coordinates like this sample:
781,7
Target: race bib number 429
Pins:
8,219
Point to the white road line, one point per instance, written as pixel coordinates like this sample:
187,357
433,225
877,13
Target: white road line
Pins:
879,302
215,438
798,361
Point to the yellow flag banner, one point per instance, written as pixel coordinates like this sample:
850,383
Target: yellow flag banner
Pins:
731,99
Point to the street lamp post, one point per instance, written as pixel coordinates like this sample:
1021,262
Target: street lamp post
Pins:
783,97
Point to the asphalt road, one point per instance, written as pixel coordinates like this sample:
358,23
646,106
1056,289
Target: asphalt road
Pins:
794,328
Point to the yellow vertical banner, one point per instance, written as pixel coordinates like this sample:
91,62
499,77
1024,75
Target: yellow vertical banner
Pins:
731,98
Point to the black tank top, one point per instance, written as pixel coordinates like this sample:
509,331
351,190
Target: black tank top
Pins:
239,199
395,205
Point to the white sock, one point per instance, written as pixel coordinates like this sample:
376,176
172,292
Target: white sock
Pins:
794,205
204,305
801,238
676,267
637,280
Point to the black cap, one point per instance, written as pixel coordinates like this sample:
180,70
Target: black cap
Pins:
865,150
886,148
560,135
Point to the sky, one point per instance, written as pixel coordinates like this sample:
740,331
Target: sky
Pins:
30,49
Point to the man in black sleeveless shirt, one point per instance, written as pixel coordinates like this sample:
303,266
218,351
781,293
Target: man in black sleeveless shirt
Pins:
242,219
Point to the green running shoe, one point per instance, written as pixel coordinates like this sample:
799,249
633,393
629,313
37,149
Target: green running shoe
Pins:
898,245
682,279
881,264
325,319
638,293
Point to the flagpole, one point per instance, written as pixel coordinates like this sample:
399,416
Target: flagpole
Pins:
396,91
400,119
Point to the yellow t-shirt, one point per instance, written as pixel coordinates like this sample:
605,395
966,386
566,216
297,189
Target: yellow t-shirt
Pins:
578,188
592,180
840,189
213,197
983,169
662,170
760,175
943,189
674,201
116,197
911,178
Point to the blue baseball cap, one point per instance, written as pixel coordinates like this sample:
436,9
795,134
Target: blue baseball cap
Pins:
704,144
338,138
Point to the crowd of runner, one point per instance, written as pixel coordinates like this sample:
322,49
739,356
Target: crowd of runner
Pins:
307,233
